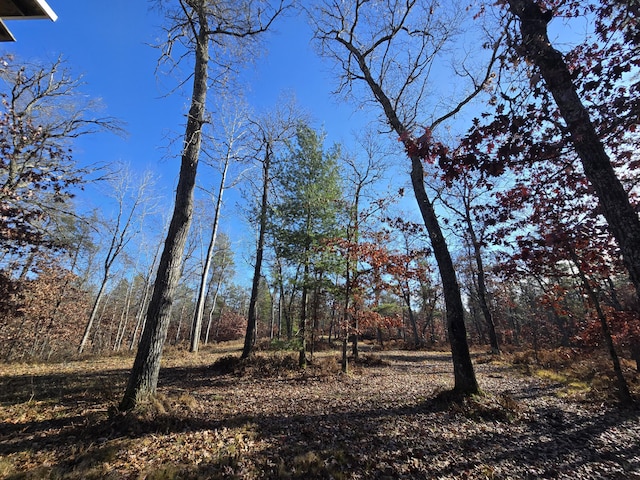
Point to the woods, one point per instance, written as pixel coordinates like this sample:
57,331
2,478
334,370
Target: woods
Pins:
485,210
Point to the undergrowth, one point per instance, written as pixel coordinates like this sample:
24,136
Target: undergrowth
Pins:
581,374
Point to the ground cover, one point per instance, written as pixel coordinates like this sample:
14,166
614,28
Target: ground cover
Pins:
389,418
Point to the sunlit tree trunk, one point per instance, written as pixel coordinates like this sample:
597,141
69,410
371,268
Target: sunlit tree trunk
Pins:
143,379
196,327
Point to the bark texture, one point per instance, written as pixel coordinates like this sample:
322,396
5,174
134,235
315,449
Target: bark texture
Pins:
613,199
146,368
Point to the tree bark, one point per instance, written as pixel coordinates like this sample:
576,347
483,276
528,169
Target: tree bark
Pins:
143,379
465,379
249,338
613,199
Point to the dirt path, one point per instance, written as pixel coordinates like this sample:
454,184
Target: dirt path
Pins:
385,420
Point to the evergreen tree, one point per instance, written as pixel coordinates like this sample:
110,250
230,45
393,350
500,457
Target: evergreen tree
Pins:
306,212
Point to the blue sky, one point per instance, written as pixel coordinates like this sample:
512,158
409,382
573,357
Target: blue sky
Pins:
109,44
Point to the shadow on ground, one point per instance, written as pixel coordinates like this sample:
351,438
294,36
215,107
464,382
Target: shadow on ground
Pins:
514,436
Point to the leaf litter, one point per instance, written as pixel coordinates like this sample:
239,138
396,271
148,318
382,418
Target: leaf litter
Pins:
391,417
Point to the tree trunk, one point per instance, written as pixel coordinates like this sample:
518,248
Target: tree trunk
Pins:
345,356
620,215
302,325
143,379
93,314
345,316
249,338
202,290
465,378
124,319
635,353
213,304
482,286
406,295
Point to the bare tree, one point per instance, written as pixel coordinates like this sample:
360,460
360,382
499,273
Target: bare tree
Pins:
391,48
229,149
197,25
44,111
130,199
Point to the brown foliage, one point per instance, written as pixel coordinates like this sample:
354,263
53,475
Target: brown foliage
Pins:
231,326
42,317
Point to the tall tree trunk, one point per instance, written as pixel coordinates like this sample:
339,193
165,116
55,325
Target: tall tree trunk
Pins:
465,378
614,201
249,338
143,379
302,324
196,328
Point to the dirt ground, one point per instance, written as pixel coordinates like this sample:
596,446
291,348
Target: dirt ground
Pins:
389,418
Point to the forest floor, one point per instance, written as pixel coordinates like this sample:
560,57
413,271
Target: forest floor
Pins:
389,418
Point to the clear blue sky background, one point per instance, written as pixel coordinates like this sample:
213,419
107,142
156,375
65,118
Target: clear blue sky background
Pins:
109,43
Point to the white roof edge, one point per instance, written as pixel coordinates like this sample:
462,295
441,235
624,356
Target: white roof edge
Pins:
6,32
48,10
47,13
